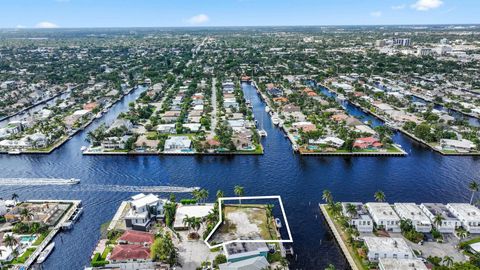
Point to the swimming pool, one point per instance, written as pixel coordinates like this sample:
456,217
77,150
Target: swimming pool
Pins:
27,238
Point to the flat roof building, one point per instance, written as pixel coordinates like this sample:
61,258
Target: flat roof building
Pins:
468,215
387,248
361,220
408,264
449,221
411,211
384,216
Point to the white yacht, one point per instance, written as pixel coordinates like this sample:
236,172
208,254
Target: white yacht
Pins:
45,253
275,120
267,109
262,133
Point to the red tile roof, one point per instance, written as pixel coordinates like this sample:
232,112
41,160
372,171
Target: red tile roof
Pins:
130,252
136,237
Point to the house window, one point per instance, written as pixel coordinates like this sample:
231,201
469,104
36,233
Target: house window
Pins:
395,256
406,256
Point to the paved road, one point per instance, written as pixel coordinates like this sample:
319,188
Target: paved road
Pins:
214,106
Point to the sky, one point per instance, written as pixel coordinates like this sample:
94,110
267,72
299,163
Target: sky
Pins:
184,13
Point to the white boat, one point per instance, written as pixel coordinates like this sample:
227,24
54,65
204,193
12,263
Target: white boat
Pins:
14,152
262,133
278,222
83,148
280,124
72,181
267,109
275,120
45,253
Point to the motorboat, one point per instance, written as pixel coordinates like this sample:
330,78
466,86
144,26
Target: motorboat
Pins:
275,120
83,148
262,133
14,152
278,222
267,109
46,252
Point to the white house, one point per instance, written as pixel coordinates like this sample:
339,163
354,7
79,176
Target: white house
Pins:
144,209
330,141
468,215
411,211
177,144
361,220
384,216
166,129
457,145
406,264
387,248
449,221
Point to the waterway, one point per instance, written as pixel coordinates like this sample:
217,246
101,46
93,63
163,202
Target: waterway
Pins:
423,176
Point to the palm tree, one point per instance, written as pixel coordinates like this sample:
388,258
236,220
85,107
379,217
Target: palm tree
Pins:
187,221
239,191
220,194
473,187
327,196
351,210
437,220
204,194
336,209
26,214
15,197
379,196
10,241
447,261
196,195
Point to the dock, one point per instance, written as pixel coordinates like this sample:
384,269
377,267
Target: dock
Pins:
76,204
338,238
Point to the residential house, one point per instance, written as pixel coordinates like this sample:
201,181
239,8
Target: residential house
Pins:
177,144
114,143
387,248
405,264
468,215
361,220
412,212
143,210
463,145
367,143
384,216
242,251
449,222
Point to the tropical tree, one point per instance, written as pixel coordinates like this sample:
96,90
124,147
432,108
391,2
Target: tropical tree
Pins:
327,196
203,194
26,214
448,261
473,187
15,197
220,194
239,191
10,241
379,196
164,250
438,219
351,210
336,209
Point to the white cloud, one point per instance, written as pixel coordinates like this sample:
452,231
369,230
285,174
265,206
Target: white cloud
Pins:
424,5
376,13
399,7
46,25
198,19
20,26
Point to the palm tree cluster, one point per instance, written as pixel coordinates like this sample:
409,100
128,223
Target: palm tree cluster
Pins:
193,223
201,195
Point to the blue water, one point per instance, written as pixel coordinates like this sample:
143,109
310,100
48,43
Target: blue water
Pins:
423,176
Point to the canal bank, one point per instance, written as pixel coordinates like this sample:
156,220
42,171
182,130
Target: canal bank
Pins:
332,93
107,181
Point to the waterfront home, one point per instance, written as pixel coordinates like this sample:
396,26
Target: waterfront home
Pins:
463,145
144,143
228,87
361,220
177,144
256,263
364,129
384,216
449,221
412,212
143,210
77,115
468,215
114,143
387,248
304,126
405,264
290,108
90,106
241,251
166,129
129,254
132,237
330,141
275,92
367,143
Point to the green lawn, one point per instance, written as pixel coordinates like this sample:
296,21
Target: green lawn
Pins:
24,256
40,238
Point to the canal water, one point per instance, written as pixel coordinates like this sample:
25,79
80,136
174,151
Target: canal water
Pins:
423,176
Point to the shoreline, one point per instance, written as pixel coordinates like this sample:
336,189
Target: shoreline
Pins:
401,130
